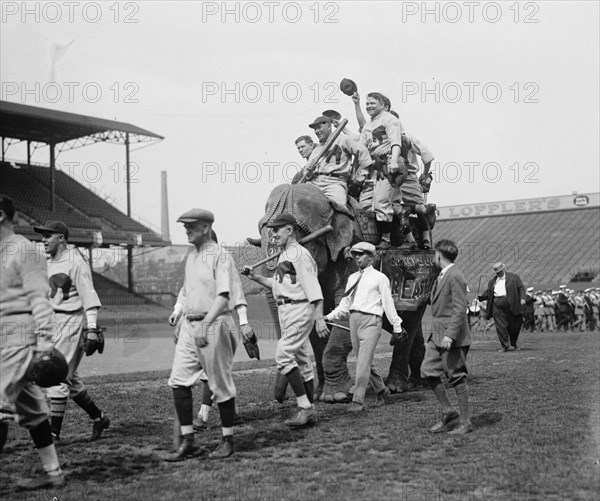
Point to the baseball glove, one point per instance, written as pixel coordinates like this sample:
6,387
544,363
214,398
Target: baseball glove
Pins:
398,337
251,346
92,340
425,182
48,368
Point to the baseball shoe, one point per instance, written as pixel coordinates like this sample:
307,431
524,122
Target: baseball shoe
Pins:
224,450
356,407
302,418
99,426
42,481
186,449
462,429
383,398
199,424
448,422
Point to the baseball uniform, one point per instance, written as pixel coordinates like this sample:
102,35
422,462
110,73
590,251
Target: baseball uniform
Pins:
72,296
295,286
379,135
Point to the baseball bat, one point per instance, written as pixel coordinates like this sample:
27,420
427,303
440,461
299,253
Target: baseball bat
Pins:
308,238
334,135
338,326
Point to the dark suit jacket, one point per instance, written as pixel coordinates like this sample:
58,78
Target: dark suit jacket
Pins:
449,309
515,291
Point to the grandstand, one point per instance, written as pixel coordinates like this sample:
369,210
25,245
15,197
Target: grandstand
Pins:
43,193
546,241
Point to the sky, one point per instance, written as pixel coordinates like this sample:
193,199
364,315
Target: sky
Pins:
505,94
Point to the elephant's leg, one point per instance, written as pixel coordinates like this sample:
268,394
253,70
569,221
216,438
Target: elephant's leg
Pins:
397,380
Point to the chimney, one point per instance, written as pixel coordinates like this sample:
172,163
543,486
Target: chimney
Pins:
164,202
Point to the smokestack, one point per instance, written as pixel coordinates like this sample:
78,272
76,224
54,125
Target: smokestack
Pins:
164,202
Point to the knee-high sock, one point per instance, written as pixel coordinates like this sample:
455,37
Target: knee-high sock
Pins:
58,407
182,396
462,393
84,401
440,392
309,388
227,413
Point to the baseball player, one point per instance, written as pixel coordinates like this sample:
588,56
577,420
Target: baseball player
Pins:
368,295
300,307
331,173
237,302
382,135
26,327
207,336
73,298
407,197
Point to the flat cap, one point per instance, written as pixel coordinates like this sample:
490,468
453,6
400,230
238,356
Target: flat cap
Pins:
499,266
362,247
348,87
53,227
320,120
194,215
529,289
283,219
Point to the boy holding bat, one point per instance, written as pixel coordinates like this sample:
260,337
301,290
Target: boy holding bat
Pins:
300,307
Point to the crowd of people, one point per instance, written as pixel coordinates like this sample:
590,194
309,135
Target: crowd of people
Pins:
562,310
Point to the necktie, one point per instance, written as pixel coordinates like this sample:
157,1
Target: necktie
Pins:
352,290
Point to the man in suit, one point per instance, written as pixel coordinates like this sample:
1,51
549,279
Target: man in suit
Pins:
505,297
449,341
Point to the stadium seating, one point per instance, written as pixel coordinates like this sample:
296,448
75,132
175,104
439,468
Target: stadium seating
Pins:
543,247
81,209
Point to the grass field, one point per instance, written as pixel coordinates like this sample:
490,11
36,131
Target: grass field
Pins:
535,412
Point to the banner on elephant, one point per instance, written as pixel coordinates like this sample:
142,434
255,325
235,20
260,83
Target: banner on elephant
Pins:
411,276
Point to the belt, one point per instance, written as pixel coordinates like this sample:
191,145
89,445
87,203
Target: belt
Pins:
28,312
333,174
287,300
65,312
196,318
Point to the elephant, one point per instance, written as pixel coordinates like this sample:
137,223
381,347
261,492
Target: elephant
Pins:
313,211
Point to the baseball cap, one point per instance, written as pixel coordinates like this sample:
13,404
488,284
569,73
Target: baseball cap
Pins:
194,215
319,120
348,86
53,227
283,219
334,115
363,247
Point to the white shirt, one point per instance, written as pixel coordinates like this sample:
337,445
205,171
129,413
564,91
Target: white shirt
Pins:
500,287
443,272
372,295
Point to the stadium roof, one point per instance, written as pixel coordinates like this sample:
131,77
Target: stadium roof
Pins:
24,122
